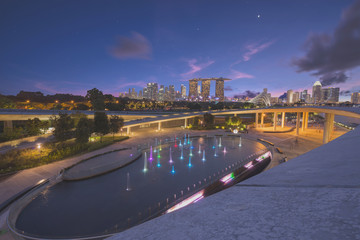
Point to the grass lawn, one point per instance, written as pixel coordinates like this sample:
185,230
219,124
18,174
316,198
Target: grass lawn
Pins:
15,160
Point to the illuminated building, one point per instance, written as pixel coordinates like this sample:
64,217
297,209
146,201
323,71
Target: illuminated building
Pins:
193,88
205,89
219,90
316,92
355,98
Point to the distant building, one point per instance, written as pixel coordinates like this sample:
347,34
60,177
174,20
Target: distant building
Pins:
193,89
219,89
289,97
205,89
140,95
199,90
316,92
161,96
183,91
330,95
263,98
152,91
171,92
296,97
355,98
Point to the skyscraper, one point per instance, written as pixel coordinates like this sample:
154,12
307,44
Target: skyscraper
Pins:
316,92
330,95
355,98
183,91
152,90
193,88
161,93
289,96
219,89
296,97
171,92
205,89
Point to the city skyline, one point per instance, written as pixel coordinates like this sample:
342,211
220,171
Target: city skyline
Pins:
172,43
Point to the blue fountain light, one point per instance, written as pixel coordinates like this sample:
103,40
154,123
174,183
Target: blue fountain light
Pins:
173,170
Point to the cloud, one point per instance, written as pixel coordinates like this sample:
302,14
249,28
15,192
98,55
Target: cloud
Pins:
247,93
331,78
134,47
195,67
138,84
45,87
228,88
255,48
238,75
336,52
345,93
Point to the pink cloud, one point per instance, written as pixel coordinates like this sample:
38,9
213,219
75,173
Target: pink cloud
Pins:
138,84
255,48
194,67
237,75
44,87
134,47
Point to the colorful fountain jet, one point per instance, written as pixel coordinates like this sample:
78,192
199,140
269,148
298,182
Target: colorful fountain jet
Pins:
170,161
145,163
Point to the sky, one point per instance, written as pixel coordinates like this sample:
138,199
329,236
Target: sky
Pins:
73,46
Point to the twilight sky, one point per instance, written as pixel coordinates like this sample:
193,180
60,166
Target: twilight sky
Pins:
72,46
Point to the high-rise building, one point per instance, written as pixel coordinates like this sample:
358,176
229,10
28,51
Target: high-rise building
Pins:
296,97
161,93
152,91
316,92
205,89
183,91
355,98
330,95
171,92
289,96
145,93
193,85
219,89
140,95
199,90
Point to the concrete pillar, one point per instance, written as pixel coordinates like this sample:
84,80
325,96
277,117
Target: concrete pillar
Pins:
326,134
256,120
185,124
128,130
235,114
8,125
306,120
331,125
262,119
303,121
159,126
283,119
275,120
297,123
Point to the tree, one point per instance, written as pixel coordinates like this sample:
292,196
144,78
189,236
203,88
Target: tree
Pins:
196,122
63,127
209,119
96,97
83,130
101,124
116,123
6,103
33,127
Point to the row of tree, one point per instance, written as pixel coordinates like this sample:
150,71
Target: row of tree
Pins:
81,127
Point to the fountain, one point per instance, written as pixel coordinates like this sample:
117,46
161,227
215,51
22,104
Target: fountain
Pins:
185,139
190,154
224,150
160,149
180,145
203,158
175,145
158,161
173,170
170,161
151,152
145,163
182,153
214,146
220,142
240,142
199,149
189,164
128,188
215,154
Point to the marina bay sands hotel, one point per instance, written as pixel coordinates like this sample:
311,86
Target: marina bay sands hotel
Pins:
205,88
